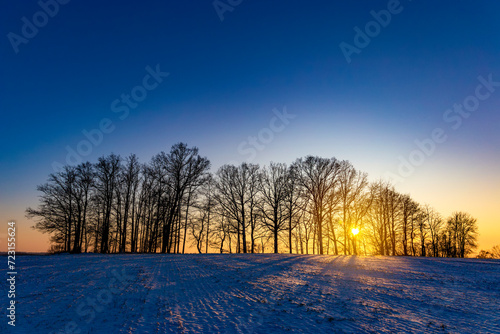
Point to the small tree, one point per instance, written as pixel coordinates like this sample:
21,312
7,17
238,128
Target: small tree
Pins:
462,230
495,251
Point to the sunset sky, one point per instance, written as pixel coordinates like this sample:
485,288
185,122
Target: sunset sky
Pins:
228,79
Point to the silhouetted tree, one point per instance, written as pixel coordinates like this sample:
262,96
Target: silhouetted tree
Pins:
293,203
462,231
434,223
55,211
496,251
408,210
107,172
112,205
184,168
273,187
84,184
129,179
351,189
236,196
318,176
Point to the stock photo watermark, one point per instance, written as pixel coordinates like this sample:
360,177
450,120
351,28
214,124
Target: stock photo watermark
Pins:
120,106
31,27
372,29
254,144
454,118
223,6
11,273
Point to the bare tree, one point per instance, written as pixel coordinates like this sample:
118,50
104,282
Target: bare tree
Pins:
408,210
208,206
383,218
318,177
294,202
273,187
55,211
107,171
129,180
197,226
84,184
423,228
496,251
351,188
312,206
184,168
434,223
462,228
235,195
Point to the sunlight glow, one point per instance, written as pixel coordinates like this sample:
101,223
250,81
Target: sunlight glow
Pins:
355,231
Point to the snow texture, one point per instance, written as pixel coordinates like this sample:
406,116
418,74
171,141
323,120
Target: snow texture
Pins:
253,294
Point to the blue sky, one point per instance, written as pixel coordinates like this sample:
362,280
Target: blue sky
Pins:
226,77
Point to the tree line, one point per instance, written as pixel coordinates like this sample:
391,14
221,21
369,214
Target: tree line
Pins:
174,204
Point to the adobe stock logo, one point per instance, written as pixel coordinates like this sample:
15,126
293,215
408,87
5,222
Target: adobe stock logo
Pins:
121,107
265,136
455,116
225,6
371,30
30,28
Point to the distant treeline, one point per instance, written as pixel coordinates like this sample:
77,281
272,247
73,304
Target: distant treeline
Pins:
314,206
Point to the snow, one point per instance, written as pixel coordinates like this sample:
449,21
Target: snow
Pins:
152,293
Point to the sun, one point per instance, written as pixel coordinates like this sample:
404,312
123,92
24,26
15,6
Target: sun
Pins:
355,231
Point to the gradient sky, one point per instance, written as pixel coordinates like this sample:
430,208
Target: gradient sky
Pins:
226,78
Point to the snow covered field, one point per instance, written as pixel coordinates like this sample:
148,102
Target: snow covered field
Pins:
254,294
